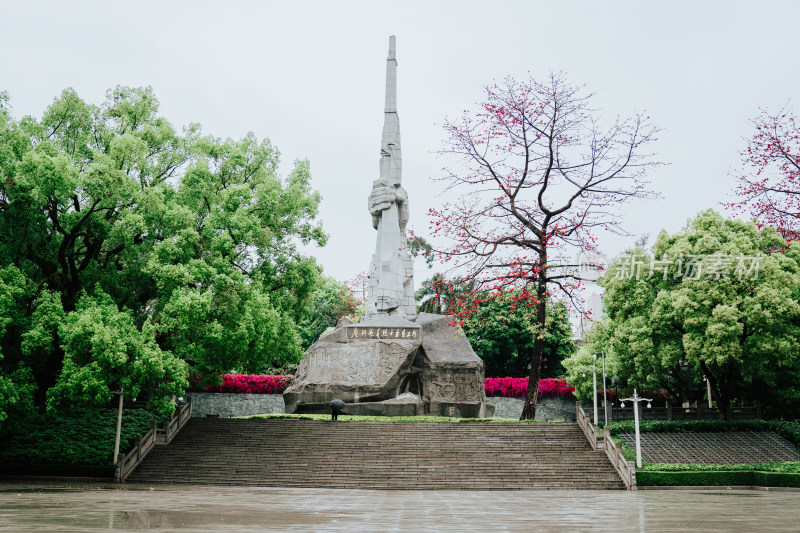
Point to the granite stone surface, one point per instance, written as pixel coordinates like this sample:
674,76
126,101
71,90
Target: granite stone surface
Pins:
390,291
228,405
377,361
546,408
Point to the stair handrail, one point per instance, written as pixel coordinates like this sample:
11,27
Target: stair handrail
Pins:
144,443
178,419
586,425
626,469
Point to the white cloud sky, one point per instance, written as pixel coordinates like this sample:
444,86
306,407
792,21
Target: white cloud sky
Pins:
309,76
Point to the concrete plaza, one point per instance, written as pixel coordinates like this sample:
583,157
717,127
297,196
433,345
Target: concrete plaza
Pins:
80,506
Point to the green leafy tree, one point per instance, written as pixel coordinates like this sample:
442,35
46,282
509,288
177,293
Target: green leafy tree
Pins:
193,238
331,301
717,300
16,397
104,351
17,386
436,292
503,330
578,366
501,327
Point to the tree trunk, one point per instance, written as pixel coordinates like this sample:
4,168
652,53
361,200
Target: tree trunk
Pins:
532,394
719,393
724,407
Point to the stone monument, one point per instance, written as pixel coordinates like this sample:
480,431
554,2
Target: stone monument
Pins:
394,362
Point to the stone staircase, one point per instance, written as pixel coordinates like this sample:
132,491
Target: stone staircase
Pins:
379,455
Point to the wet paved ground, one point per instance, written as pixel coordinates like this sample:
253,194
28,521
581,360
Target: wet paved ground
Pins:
58,507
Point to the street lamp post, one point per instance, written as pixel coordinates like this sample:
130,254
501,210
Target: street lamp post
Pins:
594,386
605,398
119,424
636,399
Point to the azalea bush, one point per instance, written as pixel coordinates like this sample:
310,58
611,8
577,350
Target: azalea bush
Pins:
249,384
516,387
503,387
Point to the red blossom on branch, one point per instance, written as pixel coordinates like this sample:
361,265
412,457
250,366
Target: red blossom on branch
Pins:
769,186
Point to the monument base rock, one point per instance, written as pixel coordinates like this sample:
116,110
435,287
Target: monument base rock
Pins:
390,366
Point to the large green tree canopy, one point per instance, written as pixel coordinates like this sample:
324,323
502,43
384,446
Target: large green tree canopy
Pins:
108,209
718,300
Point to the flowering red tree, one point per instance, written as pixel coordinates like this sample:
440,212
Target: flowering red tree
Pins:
540,176
770,187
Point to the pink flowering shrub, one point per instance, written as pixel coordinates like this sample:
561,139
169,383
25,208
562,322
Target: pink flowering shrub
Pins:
503,387
506,387
516,387
251,384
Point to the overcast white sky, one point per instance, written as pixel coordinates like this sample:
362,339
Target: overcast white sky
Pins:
310,76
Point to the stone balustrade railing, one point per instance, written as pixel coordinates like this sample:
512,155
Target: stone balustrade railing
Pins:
588,428
144,443
625,468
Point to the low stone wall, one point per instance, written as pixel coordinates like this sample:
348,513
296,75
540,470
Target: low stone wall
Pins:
228,405
546,408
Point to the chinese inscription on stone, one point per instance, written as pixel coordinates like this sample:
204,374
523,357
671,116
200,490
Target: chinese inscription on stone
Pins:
364,332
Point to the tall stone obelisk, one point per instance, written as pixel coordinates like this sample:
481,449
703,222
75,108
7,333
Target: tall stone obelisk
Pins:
391,274
393,362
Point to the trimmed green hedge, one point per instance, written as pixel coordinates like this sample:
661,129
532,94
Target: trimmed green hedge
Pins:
776,479
787,468
680,475
72,440
647,478
653,478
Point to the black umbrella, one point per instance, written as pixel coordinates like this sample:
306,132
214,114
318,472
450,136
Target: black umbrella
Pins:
337,405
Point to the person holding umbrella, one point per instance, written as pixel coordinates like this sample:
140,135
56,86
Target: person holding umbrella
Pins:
337,406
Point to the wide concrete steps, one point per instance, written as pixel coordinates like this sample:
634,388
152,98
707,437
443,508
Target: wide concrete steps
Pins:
379,455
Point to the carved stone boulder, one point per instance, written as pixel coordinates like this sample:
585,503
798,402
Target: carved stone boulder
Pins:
392,367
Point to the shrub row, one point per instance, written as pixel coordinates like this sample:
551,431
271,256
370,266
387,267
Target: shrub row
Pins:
652,478
516,387
786,468
72,440
84,471
503,387
249,384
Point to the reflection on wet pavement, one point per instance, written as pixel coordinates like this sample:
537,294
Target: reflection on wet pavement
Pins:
56,507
